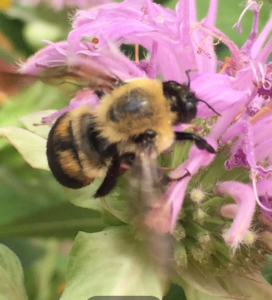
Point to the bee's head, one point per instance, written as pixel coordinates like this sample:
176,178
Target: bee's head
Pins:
183,101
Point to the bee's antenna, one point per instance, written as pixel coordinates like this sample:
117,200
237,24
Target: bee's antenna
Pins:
187,72
210,107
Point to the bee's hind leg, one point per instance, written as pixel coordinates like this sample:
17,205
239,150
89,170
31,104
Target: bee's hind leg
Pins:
117,168
110,181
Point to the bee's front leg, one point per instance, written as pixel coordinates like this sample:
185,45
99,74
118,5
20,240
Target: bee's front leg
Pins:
201,143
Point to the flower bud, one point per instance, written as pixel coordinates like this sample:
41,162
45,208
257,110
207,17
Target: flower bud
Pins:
197,195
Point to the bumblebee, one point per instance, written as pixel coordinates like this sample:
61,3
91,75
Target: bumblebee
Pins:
132,120
132,124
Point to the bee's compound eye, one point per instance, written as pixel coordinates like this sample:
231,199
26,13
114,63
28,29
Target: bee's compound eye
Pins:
146,137
149,134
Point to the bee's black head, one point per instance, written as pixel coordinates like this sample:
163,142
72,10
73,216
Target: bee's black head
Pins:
183,102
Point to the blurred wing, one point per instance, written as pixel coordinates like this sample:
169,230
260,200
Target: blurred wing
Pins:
84,73
147,186
11,83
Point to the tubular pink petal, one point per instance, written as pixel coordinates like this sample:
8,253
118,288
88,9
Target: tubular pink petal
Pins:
211,15
183,16
58,46
50,119
206,57
224,121
263,150
256,48
256,194
244,197
264,187
49,56
216,89
252,5
164,214
264,53
229,211
263,190
197,159
243,128
153,62
243,80
84,96
246,48
235,53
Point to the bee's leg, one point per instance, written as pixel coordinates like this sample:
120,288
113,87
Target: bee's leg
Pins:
127,160
165,179
199,141
111,178
181,177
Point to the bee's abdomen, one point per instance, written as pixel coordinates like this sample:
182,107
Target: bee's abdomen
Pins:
62,155
76,153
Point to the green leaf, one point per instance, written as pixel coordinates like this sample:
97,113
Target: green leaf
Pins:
32,122
110,263
24,190
11,276
168,3
28,251
200,285
63,220
175,293
267,270
114,203
84,197
37,97
30,146
253,287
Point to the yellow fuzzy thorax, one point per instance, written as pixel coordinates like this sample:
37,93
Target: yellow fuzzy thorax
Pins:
154,114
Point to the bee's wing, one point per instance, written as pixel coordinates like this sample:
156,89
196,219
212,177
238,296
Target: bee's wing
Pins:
83,73
11,83
147,186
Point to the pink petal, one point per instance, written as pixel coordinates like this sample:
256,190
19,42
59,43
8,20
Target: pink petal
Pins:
244,197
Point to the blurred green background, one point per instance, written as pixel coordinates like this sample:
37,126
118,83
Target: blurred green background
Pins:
36,220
